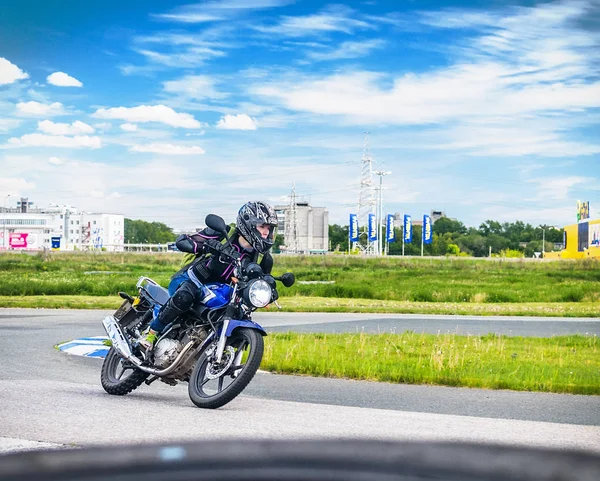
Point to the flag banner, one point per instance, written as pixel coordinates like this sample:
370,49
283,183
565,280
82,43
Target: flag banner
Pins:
389,228
372,228
427,231
407,229
55,243
353,230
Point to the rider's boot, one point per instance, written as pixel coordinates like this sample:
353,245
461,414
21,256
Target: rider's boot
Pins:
166,315
147,342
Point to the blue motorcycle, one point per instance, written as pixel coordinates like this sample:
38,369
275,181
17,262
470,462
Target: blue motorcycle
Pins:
215,347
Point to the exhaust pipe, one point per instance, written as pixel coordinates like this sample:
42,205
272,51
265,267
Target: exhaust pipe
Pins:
121,344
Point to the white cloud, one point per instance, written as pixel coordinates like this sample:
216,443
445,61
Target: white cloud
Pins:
129,127
520,137
9,124
124,188
103,125
14,186
348,50
38,109
556,188
332,19
41,140
75,128
10,73
526,61
168,149
460,92
189,17
61,79
150,113
237,122
190,57
196,87
55,161
217,10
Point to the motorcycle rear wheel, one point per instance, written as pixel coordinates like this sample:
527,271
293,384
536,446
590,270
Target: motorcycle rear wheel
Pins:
201,388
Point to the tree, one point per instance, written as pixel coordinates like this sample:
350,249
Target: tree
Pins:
338,237
474,244
279,241
142,232
497,242
445,225
490,227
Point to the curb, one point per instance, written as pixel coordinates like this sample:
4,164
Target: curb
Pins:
86,347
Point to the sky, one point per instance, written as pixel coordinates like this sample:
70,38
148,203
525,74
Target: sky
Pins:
169,111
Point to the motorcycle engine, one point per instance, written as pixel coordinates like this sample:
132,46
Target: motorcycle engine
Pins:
165,352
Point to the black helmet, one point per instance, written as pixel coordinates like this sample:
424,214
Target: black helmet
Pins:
253,214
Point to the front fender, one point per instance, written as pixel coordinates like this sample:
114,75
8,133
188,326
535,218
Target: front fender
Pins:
235,323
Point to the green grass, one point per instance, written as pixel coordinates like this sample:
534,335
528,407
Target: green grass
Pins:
354,284
391,278
328,304
565,364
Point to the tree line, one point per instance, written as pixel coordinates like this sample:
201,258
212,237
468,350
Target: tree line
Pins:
142,232
452,237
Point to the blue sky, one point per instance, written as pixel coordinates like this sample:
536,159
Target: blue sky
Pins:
169,111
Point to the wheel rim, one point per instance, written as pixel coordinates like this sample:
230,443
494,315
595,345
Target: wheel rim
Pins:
119,369
215,379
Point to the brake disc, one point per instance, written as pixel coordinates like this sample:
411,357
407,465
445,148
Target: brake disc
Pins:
215,370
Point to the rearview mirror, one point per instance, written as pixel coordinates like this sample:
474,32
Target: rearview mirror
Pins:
288,279
216,223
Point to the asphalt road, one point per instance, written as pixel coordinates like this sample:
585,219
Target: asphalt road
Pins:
50,397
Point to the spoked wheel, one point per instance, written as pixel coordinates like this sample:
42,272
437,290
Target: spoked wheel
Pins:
120,376
213,384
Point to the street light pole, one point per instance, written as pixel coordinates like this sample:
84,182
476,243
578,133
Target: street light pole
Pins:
5,219
543,241
380,173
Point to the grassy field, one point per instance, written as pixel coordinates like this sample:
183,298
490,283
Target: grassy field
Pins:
330,304
565,364
326,283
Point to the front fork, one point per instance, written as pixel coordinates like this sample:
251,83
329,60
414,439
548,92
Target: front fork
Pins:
222,340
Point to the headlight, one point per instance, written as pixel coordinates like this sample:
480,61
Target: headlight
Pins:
259,293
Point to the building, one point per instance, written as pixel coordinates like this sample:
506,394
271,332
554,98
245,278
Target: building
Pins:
437,214
305,228
582,240
59,228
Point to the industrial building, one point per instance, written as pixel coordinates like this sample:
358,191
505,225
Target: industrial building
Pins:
26,227
305,228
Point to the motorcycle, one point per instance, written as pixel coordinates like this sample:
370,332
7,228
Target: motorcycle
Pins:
215,347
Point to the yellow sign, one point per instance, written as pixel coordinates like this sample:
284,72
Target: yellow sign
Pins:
583,211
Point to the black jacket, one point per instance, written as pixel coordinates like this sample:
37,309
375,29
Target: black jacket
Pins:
209,267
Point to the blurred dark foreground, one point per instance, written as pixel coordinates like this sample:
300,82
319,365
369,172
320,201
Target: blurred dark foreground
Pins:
337,460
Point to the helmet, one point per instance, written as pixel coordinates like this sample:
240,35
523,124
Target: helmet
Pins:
253,214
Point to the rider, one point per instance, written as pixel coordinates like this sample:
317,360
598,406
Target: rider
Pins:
251,237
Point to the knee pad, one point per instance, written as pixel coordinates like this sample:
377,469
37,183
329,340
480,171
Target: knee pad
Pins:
183,299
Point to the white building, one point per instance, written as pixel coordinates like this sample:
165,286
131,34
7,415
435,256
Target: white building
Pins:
308,233
60,228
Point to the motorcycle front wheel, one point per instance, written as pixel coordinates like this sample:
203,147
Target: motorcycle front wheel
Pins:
213,384
119,376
